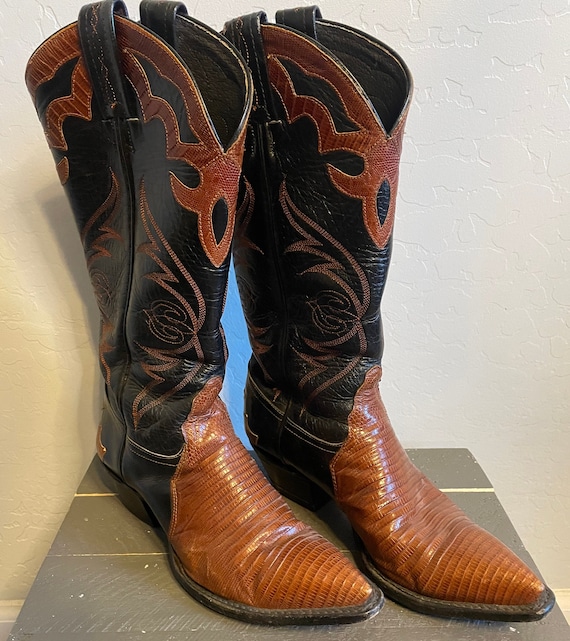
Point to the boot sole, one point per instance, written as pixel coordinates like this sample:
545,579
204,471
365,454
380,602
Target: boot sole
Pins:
453,609
234,609
297,487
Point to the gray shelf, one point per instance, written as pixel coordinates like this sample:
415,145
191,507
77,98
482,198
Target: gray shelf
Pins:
106,576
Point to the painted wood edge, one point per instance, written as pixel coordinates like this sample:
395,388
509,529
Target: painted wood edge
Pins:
563,600
9,611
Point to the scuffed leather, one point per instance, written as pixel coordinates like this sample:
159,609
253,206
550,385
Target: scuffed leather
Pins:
80,137
179,172
311,291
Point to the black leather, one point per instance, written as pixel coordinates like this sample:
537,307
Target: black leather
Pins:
378,69
160,17
159,294
96,26
308,272
302,19
213,62
245,34
96,170
312,250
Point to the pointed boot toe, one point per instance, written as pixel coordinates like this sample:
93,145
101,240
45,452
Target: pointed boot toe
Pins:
417,544
464,575
237,544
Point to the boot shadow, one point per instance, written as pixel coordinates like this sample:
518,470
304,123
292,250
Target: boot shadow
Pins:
53,203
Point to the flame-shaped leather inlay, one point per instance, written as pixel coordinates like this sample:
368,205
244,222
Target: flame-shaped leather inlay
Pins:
380,152
169,278
219,170
42,66
53,54
77,104
415,535
234,533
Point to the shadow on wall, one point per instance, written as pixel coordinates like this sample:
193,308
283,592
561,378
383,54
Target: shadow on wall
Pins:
53,203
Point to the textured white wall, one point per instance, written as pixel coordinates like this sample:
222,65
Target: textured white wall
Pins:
476,311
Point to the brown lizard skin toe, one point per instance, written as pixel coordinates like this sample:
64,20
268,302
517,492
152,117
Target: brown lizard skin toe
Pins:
415,535
234,533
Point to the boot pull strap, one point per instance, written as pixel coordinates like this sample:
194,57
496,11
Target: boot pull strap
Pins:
160,17
96,26
302,19
245,34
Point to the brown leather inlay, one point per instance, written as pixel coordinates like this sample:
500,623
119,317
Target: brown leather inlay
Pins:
380,153
219,170
62,168
234,533
42,66
50,56
77,104
415,535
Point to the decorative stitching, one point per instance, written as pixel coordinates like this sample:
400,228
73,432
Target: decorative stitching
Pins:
96,249
312,243
112,203
96,44
164,360
243,219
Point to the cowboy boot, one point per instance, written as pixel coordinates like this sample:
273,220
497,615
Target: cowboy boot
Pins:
148,144
311,251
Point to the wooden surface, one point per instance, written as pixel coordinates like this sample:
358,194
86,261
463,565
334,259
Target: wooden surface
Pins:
106,576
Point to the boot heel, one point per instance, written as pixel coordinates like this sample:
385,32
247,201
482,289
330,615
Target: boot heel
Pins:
135,504
129,498
293,485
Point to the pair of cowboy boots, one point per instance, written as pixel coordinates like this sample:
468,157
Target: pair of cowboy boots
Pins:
148,124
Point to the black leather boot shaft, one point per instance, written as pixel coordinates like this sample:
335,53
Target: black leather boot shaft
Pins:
314,232
142,154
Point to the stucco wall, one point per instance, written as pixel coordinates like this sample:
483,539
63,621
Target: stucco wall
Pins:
476,311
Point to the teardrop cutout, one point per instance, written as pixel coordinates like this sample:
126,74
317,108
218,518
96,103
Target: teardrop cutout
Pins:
220,220
383,201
